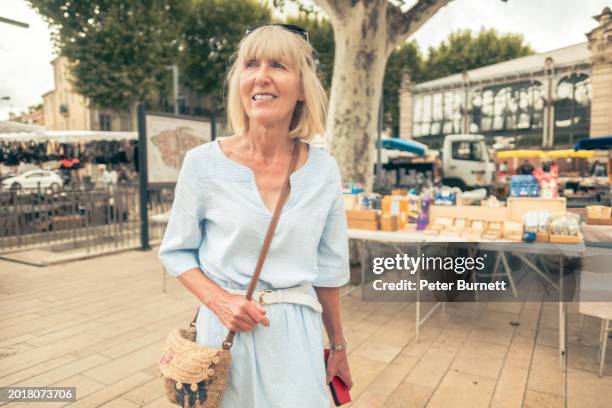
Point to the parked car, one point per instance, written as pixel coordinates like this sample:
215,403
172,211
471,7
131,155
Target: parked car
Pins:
33,179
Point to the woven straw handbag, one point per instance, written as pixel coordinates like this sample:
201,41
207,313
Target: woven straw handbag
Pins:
195,376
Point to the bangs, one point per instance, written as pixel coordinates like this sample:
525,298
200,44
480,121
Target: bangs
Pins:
271,43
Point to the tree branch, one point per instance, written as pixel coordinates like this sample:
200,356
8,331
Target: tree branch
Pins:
403,24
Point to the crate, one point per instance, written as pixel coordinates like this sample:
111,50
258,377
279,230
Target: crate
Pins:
372,225
363,215
566,239
598,215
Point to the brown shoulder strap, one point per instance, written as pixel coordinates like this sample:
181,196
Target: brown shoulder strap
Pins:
229,339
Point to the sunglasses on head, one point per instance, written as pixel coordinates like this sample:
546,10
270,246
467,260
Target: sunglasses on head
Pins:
289,27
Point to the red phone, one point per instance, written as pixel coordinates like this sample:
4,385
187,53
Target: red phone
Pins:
338,388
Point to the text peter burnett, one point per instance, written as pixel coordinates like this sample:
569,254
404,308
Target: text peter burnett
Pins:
424,284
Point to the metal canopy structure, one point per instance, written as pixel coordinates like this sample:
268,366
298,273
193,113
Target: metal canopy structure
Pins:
594,143
21,132
404,145
8,127
541,154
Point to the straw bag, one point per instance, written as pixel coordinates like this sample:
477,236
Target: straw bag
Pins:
195,376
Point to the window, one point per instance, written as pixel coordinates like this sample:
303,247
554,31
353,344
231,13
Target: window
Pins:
468,151
126,123
105,122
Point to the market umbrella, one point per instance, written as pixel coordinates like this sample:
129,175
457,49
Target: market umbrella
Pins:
594,143
15,131
569,153
404,145
527,154
598,143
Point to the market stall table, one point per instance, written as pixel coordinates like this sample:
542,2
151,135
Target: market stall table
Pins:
499,246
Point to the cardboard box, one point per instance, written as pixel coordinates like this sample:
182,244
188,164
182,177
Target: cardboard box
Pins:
566,239
598,215
385,204
542,237
363,215
513,231
514,237
350,201
388,222
492,234
495,226
397,206
470,212
471,235
410,227
478,225
373,225
399,192
431,231
459,225
474,231
442,222
518,206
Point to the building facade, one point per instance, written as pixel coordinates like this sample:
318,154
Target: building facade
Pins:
65,109
551,99
34,116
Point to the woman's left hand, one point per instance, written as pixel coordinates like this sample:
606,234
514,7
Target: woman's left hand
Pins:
337,365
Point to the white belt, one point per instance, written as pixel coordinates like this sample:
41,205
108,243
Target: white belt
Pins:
301,294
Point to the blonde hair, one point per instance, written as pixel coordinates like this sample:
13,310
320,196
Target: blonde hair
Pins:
275,42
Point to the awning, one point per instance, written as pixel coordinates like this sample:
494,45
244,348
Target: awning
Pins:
68,136
569,153
541,154
8,127
594,143
526,154
404,145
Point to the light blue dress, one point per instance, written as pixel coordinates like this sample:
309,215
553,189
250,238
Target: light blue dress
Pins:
217,223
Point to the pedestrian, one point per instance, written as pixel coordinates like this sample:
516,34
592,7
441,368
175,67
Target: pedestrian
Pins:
503,167
104,177
114,176
526,168
224,198
598,169
123,177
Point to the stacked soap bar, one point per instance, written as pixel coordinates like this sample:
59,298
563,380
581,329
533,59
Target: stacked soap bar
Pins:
524,186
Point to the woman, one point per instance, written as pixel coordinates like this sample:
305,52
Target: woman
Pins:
225,195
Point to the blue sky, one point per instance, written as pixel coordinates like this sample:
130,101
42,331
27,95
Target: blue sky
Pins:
25,54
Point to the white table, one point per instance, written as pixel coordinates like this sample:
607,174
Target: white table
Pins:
502,247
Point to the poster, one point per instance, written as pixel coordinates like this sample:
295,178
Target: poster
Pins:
168,139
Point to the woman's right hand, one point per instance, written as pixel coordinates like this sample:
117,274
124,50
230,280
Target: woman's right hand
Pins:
239,314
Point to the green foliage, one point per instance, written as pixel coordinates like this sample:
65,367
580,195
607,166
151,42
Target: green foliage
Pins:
211,34
321,36
463,51
406,59
119,49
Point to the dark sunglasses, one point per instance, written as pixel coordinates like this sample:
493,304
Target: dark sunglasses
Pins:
289,27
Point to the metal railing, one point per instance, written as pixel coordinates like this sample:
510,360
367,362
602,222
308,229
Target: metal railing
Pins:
78,218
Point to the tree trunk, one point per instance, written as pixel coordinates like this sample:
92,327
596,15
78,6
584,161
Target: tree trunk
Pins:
361,53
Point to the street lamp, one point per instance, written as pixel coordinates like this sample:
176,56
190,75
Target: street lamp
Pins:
175,80
14,22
